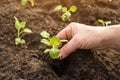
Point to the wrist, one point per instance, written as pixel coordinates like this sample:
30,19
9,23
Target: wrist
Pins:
110,38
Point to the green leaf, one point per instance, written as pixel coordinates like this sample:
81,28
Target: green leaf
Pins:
24,2
46,51
32,2
27,30
17,23
101,21
17,41
58,8
63,17
45,41
107,23
45,34
54,53
55,41
66,16
73,9
22,41
23,24
64,9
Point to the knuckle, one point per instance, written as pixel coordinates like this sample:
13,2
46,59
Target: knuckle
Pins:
72,24
77,40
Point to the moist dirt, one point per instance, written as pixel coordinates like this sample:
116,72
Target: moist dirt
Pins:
28,62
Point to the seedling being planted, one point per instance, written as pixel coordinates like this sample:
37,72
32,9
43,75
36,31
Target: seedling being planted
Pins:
66,12
25,2
20,26
104,23
52,42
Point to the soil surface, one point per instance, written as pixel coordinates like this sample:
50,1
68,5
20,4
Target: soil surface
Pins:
28,62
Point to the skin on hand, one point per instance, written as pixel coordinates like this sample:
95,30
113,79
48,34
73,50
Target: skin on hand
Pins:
81,36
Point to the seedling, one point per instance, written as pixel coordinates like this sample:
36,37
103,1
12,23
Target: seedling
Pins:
104,23
24,2
20,26
66,12
52,42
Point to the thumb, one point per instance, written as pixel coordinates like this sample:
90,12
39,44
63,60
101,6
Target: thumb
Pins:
68,48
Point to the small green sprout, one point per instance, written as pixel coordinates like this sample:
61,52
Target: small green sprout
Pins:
52,42
24,2
20,26
66,12
104,23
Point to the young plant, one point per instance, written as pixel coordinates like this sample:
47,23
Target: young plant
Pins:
52,42
24,2
66,12
20,26
104,23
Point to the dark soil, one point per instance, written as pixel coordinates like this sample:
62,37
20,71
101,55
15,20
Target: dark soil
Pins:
28,62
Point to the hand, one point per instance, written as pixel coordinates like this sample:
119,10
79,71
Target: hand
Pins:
80,36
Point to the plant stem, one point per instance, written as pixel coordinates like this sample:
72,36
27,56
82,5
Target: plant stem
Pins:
53,46
21,32
18,36
103,24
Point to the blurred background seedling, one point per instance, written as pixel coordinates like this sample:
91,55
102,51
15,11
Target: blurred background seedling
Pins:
104,23
25,2
66,13
20,27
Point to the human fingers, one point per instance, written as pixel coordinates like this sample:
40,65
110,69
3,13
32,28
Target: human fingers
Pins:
66,33
68,48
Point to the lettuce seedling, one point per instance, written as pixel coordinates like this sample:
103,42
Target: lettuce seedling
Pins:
104,23
66,12
20,26
24,2
52,42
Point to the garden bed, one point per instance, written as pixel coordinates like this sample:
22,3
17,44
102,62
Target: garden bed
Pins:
28,62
